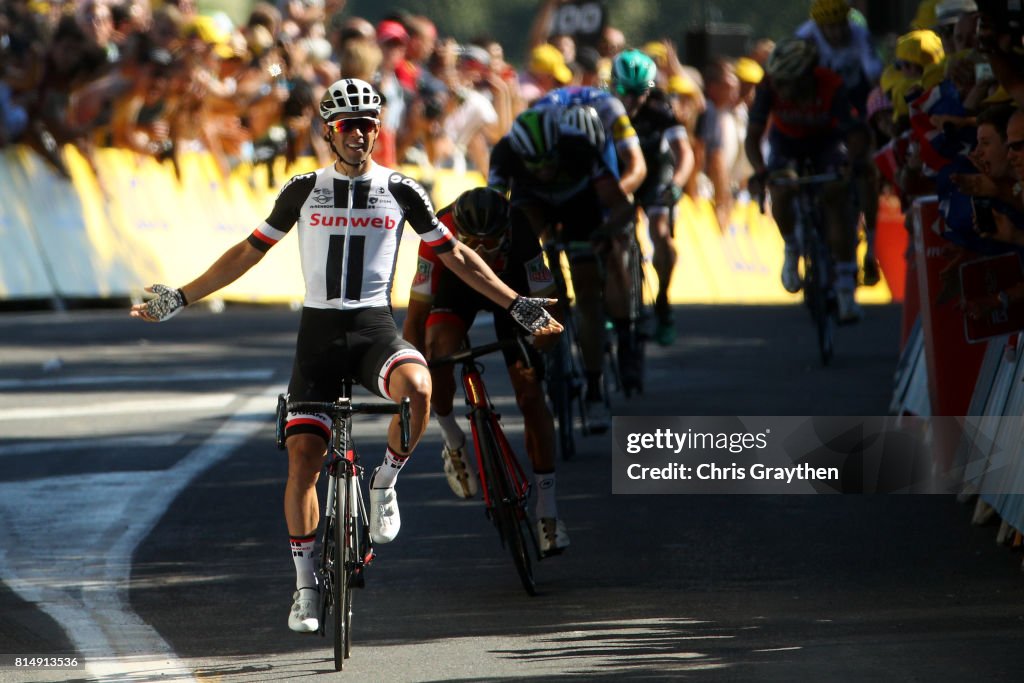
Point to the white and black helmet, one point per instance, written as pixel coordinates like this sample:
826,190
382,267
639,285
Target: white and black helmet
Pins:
349,96
586,120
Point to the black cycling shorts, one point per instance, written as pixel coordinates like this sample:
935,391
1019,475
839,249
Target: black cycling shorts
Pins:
362,344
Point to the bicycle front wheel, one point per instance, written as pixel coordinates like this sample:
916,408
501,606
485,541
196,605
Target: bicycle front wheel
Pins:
507,511
817,290
342,594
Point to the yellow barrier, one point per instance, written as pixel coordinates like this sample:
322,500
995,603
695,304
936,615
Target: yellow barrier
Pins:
137,224
24,274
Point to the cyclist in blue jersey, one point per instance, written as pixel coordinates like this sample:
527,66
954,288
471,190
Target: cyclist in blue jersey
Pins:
350,217
556,177
621,147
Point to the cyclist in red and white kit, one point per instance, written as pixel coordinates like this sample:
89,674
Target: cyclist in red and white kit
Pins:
350,218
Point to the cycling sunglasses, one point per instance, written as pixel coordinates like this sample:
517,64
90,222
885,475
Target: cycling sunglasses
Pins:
363,124
542,163
488,244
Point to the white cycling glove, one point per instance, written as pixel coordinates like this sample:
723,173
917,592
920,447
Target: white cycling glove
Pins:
168,303
529,313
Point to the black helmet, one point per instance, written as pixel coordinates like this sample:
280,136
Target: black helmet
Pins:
481,212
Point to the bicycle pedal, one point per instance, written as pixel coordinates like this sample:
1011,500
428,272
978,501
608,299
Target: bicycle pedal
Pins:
358,579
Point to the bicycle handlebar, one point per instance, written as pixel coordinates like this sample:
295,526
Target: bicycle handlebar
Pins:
345,408
475,352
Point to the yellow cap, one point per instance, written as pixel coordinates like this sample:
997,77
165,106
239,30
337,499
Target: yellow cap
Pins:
207,29
749,71
657,51
546,59
922,47
681,85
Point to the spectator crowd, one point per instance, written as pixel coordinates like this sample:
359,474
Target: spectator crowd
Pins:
159,78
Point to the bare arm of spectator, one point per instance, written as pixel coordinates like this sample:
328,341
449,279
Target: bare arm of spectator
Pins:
541,27
479,152
502,106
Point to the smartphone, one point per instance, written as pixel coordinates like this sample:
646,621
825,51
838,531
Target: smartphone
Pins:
983,72
984,221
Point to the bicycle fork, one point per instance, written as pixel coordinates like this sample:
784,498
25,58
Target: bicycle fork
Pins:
480,408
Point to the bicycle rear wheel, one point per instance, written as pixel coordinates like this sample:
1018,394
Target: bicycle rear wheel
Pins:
342,593
507,512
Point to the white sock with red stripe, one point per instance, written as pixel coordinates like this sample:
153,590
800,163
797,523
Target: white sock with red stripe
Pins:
302,555
388,472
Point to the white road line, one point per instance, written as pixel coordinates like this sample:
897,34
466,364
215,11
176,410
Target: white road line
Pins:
111,380
82,581
157,405
113,443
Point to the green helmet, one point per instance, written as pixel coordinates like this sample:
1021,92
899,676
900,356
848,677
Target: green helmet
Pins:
633,73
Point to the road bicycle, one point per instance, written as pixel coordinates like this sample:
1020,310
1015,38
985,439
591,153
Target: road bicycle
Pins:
503,481
564,377
818,268
346,549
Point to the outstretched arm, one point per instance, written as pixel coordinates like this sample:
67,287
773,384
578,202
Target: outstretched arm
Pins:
472,270
231,265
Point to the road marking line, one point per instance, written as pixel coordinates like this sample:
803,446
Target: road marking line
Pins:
156,405
114,443
106,380
83,581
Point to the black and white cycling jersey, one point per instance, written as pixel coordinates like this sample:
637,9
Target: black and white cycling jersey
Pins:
349,232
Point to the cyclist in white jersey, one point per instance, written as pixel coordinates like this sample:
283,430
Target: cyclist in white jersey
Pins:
350,218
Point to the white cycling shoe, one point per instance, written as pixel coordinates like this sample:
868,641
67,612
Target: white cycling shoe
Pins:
459,471
790,275
305,609
385,521
552,535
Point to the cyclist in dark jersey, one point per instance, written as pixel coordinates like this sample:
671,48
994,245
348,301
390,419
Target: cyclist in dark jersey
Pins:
441,311
666,149
555,176
350,218
807,115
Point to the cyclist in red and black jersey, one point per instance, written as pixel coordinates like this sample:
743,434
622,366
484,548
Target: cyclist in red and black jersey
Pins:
441,311
807,115
557,177
350,218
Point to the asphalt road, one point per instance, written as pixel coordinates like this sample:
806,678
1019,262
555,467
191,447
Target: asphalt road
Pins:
141,528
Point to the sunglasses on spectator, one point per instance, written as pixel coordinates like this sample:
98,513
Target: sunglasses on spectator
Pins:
1015,146
363,125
